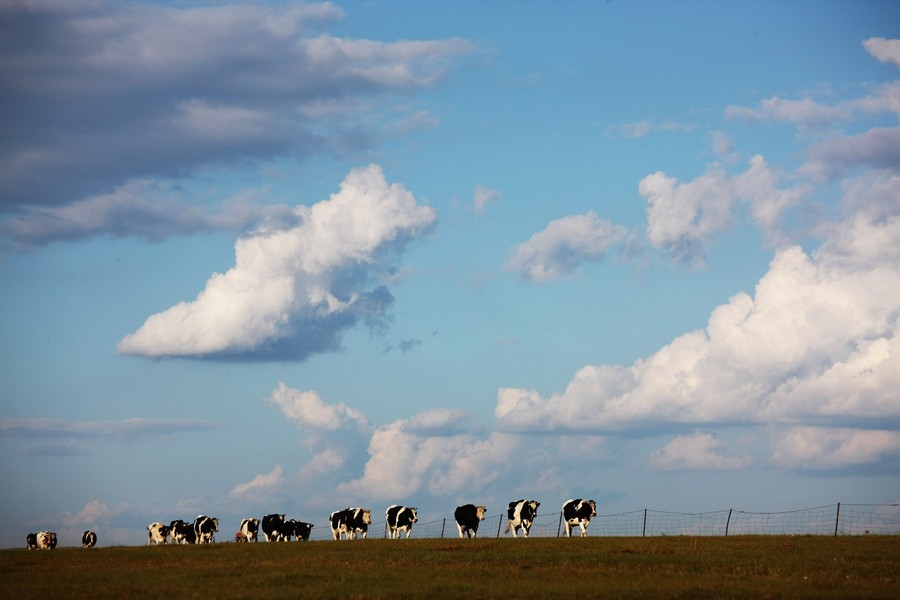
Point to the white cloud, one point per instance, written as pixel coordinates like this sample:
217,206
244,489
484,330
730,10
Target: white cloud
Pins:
831,448
817,342
698,451
683,217
261,482
806,112
563,245
293,291
307,410
883,49
639,129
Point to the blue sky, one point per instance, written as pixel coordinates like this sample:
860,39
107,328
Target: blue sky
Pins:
282,257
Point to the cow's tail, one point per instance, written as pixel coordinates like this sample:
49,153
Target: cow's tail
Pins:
508,523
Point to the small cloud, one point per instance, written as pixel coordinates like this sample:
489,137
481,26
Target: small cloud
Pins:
639,129
482,197
883,49
563,246
261,482
823,448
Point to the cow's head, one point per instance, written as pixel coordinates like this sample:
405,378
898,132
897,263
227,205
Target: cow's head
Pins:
479,511
593,508
367,516
415,514
215,524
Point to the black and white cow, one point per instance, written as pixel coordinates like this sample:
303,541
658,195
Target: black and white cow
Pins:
157,533
399,519
273,527
249,530
88,539
350,522
46,540
521,513
578,513
468,517
299,529
31,541
205,529
182,533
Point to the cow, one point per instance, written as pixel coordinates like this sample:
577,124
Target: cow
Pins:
158,533
350,522
273,528
578,513
182,533
521,513
301,530
249,531
88,539
400,518
31,541
468,517
46,540
205,529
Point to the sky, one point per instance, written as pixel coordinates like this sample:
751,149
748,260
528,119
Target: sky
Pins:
286,258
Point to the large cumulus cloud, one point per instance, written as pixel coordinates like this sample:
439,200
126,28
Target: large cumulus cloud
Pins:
293,290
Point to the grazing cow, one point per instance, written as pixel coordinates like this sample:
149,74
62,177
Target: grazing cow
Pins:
158,533
31,541
274,529
249,530
300,529
88,539
205,529
521,513
578,513
468,517
350,522
182,533
400,518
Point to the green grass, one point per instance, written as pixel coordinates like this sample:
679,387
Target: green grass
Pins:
663,567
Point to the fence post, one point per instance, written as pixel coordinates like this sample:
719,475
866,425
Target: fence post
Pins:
444,524
498,525
559,526
837,519
644,532
728,522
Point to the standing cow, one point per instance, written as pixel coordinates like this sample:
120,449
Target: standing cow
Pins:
88,539
157,533
400,518
273,528
205,529
578,513
249,530
468,517
350,522
521,513
299,529
31,541
182,533
46,540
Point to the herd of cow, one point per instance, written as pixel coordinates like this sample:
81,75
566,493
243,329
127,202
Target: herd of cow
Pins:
348,524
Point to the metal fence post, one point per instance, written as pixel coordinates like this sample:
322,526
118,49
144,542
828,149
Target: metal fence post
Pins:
728,522
837,519
444,524
498,525
558,527
644,532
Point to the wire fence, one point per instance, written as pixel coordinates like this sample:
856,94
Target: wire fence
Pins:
835,519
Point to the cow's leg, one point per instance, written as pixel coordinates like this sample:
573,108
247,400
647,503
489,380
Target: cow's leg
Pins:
460,529
583,529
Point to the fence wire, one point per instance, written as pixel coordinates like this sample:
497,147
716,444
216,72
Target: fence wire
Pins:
835,519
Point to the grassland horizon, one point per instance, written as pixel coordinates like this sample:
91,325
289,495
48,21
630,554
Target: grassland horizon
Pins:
659,567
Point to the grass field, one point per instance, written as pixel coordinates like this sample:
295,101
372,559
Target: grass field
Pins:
660,567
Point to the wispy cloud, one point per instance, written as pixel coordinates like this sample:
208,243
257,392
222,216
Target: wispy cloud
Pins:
199,87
